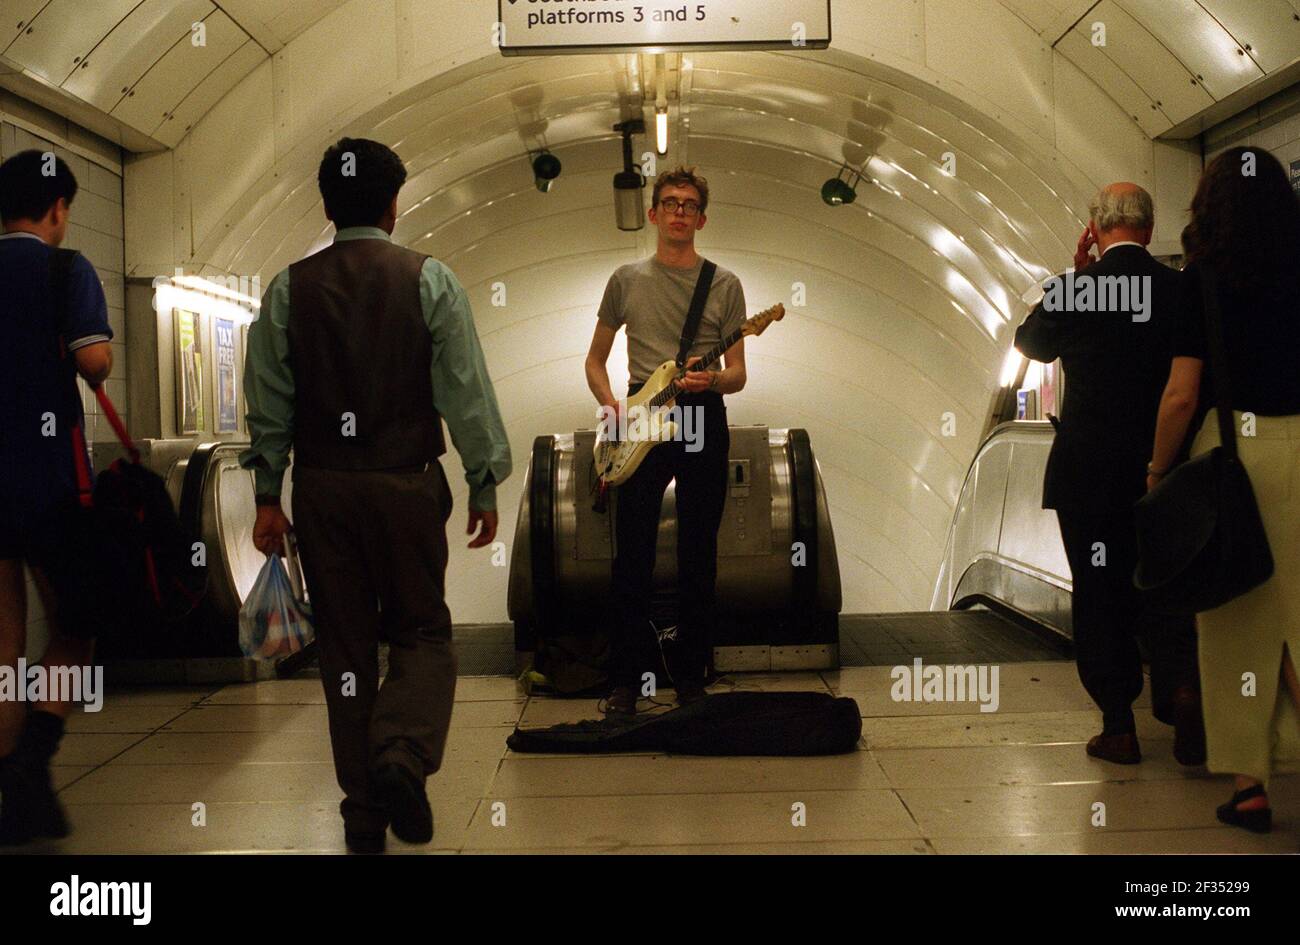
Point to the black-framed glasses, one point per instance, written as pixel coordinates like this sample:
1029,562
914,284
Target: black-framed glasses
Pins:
672,205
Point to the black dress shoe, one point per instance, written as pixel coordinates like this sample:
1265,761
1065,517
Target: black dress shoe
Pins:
365,843
1189,728
402,796
1259,820
29,807
1119,749
15,822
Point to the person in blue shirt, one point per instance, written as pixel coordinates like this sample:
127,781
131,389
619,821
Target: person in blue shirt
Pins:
40,423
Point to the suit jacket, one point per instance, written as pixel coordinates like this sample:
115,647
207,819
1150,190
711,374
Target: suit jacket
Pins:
1115,358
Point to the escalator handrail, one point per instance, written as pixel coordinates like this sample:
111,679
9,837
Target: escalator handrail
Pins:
190,506
1030,427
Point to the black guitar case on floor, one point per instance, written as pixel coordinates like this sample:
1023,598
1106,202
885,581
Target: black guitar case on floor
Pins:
733,723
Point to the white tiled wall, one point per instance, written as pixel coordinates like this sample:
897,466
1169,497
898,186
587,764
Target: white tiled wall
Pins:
95,230
1273,124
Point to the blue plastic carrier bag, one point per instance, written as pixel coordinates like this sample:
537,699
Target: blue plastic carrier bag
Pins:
274,621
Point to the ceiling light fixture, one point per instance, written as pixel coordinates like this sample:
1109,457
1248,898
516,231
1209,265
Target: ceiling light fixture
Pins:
661,106
842,189
546,168
629,210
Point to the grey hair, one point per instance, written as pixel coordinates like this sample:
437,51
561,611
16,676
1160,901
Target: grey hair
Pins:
1132,209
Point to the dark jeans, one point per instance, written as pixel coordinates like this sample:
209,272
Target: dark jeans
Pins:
701,493
374,554
1109,619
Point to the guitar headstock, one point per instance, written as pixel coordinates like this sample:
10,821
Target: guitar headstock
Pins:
758,324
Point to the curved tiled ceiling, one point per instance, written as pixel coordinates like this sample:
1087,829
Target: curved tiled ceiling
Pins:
1171,64
910,291
129,70
141,72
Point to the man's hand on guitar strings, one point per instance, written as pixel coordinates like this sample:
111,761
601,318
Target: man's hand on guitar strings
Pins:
694,381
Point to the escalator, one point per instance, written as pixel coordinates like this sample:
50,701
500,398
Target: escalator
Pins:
1004,551
1003,569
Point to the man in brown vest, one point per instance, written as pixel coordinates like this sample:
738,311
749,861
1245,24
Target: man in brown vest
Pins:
359,353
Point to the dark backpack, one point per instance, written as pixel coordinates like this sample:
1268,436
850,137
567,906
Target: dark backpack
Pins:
122,566
731,723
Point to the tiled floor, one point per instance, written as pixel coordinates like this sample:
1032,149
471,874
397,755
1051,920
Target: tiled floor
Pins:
927,778
966,636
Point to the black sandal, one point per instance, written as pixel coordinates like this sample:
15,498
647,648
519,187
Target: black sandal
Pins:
1259,820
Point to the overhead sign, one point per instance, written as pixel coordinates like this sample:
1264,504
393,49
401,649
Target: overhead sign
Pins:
544,27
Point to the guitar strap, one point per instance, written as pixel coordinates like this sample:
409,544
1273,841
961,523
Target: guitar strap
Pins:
696,312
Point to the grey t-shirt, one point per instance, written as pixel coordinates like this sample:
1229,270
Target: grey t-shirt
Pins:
652,299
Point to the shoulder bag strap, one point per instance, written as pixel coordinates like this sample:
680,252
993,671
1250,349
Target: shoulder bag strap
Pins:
1218,353
693,316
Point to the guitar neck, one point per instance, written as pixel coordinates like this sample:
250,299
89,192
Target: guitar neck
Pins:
708,358
717,351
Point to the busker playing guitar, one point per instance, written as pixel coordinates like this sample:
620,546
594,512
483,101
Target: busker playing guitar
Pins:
652,298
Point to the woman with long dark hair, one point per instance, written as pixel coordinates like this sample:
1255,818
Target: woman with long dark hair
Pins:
1245,231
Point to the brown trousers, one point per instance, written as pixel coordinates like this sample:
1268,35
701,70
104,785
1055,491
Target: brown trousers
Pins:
374,555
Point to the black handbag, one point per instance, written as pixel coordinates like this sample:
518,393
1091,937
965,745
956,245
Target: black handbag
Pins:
1201,541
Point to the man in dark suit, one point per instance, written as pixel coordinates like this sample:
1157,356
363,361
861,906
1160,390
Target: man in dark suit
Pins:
1110,322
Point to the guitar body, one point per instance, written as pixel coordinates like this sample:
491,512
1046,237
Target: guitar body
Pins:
646,421
647,426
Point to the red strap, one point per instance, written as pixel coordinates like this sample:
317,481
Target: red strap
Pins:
152,573
116,423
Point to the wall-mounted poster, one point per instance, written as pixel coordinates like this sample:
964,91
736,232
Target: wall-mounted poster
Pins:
189,372
227,396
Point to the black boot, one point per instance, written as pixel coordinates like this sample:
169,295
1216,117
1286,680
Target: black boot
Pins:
402,795
1189,727
36,805
15,822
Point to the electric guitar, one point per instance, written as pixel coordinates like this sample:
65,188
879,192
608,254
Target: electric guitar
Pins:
648,416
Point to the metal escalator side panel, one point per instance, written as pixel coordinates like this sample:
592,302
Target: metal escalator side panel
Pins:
519,593
830,592
541,530
197,468
1003,549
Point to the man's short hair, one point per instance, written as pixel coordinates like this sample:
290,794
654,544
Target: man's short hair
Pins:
30,184
682,177
1131,209
358,180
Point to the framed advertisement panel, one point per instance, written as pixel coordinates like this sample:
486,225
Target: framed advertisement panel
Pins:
188,332
225,375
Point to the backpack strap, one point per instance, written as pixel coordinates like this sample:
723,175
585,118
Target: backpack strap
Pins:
1218,360
110,412
696,311
61,264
